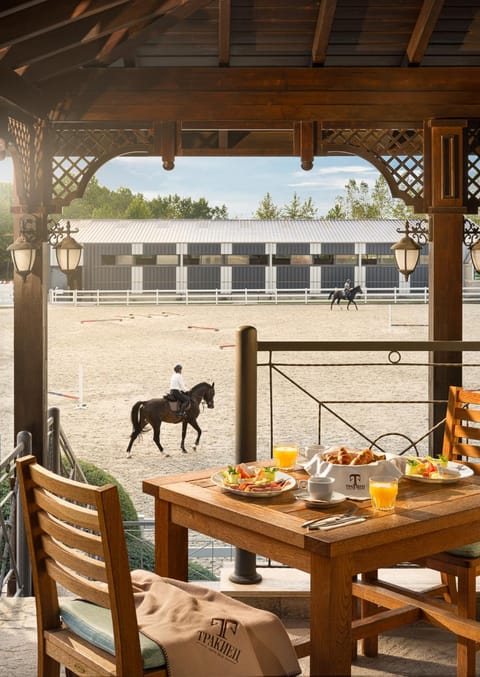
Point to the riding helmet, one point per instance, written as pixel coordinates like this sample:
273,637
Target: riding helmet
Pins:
177,367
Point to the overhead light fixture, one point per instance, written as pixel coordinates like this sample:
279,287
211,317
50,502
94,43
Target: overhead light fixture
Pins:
24,249
471,238
407,250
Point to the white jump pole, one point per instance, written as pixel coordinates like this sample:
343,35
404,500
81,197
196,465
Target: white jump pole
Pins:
81,403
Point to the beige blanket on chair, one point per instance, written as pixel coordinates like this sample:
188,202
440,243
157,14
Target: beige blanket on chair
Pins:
207,634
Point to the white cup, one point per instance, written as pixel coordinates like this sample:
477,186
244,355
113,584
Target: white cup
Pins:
312,450
320,488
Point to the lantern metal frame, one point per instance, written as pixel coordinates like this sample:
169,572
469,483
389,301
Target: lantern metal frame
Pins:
59,236
417,234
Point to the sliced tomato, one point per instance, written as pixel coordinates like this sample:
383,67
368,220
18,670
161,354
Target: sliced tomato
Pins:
244,472
429,469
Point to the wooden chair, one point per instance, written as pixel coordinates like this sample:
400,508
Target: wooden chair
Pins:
76,541
452,604
459,568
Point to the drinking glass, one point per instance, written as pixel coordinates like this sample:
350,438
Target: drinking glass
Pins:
285,455
383,493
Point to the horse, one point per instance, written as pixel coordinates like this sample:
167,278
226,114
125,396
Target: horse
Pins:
155,411
338,295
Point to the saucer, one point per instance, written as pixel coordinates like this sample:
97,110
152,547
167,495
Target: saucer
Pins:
336,497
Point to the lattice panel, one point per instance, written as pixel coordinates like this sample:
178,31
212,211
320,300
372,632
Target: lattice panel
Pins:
398,151
22,135
79,152
473,168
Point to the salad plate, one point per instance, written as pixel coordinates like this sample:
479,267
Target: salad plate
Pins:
282,483
452,473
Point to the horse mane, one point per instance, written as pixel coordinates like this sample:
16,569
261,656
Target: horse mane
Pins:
200,386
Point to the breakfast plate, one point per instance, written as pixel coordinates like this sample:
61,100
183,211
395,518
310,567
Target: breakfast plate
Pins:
452,473
336,498
287,483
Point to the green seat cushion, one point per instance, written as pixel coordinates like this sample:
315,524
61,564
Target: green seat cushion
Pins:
94,624
470,550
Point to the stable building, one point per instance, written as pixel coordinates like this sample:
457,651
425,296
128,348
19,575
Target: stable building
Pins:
239,254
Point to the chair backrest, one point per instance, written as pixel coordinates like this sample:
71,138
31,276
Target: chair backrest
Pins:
461,439
76,540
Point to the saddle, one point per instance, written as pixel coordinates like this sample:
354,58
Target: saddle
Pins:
174,404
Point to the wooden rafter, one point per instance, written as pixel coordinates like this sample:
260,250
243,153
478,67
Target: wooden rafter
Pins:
326,12
46,16
224,16
89,29
423,30
22,95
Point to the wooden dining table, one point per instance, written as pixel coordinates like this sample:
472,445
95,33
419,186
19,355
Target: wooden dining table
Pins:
428,518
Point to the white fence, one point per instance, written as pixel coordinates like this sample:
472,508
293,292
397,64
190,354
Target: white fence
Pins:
122,297
241,297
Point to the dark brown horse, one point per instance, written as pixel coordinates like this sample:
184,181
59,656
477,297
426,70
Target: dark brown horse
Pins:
155,411
339,295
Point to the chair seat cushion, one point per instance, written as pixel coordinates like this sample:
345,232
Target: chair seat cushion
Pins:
470,550
94,624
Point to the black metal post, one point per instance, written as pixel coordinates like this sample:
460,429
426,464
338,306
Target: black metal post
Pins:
246,433
24,585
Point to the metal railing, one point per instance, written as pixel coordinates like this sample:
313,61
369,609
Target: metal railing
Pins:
14,568
311,295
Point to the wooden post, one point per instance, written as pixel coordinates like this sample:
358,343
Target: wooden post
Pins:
30,354
246,432
445,193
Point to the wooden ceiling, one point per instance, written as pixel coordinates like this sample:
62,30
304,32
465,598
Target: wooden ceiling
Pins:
235,62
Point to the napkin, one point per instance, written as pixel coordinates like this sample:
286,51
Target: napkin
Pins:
317,466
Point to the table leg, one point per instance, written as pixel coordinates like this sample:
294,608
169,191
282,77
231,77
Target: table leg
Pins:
331,617
171,544
369,644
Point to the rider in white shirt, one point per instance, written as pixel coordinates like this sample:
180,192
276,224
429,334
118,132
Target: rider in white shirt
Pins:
178,389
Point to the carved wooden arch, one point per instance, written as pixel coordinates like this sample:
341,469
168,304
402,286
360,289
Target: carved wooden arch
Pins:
79,150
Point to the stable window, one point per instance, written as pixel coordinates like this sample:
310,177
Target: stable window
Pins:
323,259
378,260
166,260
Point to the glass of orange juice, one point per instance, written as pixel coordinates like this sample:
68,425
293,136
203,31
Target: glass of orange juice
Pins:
285,455
383,493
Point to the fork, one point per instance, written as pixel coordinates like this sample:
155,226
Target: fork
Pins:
333,518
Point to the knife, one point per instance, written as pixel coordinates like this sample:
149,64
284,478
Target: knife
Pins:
332,518
342,523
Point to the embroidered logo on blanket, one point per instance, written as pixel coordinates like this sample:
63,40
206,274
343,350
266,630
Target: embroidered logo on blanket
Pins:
218,642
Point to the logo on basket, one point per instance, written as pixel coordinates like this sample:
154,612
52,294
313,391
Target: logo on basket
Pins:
218,642
354,478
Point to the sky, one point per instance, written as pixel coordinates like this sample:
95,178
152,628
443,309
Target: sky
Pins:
239,183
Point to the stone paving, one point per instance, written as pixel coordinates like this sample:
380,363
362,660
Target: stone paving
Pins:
414,651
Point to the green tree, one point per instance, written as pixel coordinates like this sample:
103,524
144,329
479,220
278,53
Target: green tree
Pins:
361,203
138,208
267,209
298,210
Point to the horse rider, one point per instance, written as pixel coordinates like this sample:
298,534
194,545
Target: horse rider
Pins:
347,288
178,389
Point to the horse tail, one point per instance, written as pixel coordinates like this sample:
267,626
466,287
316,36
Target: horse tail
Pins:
135,416
331,294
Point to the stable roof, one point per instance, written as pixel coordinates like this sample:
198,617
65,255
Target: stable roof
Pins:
96,231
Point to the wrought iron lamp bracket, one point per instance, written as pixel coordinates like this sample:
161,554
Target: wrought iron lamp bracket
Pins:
417,230
471,232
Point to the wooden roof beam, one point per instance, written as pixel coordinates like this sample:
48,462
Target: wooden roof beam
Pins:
224,18
169,13
361,94
423,30
44,17
27,98
78,33
326,13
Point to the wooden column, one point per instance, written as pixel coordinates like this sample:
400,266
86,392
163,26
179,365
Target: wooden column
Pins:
445,192
30,354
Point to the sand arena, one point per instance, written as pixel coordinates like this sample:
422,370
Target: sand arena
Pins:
127,354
